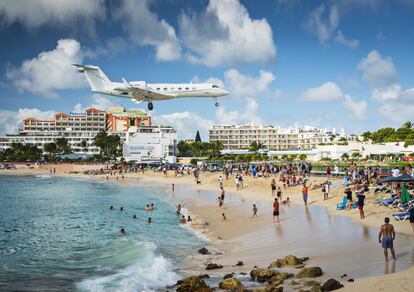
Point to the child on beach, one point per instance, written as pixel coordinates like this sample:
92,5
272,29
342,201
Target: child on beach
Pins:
224,216
254,210
361,203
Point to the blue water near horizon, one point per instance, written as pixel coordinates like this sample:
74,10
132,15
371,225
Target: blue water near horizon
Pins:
58,233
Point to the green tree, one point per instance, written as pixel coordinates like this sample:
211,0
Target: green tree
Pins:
255,146
345,156
51,148
302,156
407,124
184,149
215,148
109,145
367,136
197,137
356,155
62,145
84,145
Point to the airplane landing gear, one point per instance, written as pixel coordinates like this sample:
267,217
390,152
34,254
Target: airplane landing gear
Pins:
150,106
216,104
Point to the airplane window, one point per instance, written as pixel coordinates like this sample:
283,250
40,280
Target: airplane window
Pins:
215,86
186,88
165,88
179,88
158,88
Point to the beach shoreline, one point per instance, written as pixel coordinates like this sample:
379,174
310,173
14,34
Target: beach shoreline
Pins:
254,191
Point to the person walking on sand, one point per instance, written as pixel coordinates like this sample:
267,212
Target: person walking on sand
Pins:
220,181
254,210
387,233
305,191
276,211
325,190
361,203
224,216
273,187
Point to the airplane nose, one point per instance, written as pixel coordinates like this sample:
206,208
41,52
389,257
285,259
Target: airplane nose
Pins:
224,92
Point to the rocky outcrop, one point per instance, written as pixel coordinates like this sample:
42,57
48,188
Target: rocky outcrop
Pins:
240,263
312,272
212,266
193,283
228,276
289,260
230,284
203,251
261,275
331,285
316,288
278,278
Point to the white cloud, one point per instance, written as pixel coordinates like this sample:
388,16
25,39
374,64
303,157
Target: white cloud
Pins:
50,70
97,101
11,121
242,86
323,28
326,92
377,70
33,14
392,92
343,40
397,113
357,108
323,23
329,91
242,116
144,28
226,34
186,123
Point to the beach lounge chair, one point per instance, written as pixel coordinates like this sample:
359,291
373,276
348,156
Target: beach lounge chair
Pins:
401,216
342,206
386,202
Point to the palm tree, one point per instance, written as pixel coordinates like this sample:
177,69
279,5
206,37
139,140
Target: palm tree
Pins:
63,145
407,125
345,156
50,148
84,145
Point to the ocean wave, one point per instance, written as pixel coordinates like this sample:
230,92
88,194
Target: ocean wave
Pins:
146,274
188,226
44,176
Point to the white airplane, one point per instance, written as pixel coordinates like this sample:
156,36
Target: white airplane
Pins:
140,91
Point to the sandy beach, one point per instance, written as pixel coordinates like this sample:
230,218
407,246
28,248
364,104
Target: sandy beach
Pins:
239,233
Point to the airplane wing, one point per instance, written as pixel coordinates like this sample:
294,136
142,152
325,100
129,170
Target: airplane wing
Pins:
143,94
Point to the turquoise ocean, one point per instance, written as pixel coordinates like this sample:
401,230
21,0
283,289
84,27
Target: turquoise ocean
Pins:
59,234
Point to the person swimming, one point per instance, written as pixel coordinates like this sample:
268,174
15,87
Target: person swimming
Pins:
286,202
189,219
111,208
122,232
178,209
135,216
149,220
147,208
152,207
122,209
183,220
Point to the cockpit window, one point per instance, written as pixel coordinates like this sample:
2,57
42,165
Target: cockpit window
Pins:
215,86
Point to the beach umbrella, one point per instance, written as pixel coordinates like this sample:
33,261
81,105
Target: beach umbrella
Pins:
405,196
401,178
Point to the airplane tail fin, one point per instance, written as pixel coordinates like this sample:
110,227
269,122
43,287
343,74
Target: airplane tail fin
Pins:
95,76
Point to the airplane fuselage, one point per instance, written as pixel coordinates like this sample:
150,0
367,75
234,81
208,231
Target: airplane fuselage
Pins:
170,90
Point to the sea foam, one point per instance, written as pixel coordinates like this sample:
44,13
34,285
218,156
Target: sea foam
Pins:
148,274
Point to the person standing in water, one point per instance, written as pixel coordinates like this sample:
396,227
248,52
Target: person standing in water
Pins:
183,220
254,210
122,232
387,234
276,211
305,191
279,194
178,209
412,217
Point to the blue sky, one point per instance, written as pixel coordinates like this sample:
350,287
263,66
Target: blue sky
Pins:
329,64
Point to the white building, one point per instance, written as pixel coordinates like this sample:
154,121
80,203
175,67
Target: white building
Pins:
151,145
272,137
